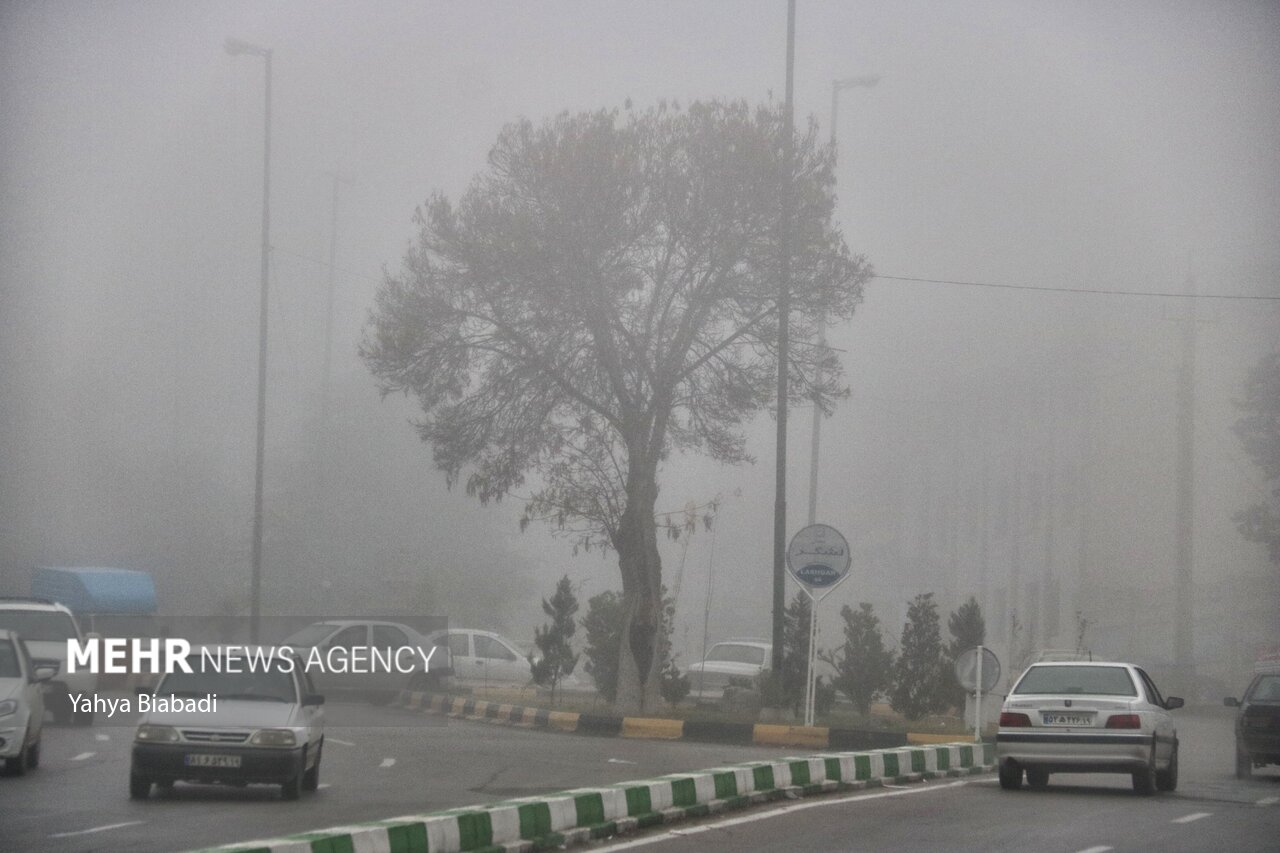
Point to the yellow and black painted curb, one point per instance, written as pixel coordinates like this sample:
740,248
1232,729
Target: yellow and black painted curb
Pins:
605,725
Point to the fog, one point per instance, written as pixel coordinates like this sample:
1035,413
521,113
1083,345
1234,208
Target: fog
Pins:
1010,434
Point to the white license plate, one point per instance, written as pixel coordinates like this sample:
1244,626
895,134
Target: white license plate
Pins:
211,760
1066,719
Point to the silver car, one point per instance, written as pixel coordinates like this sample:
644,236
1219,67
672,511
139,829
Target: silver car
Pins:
1087,717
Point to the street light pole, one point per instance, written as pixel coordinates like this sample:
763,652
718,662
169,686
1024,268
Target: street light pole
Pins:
837,86
236,47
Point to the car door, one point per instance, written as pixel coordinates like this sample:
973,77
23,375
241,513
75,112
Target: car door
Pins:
387,639
465,667
502,665
338,653
1163,728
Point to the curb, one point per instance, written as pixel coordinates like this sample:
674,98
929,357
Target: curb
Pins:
757,734
580,815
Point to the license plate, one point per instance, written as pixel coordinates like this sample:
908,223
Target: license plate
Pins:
1066,719
211,760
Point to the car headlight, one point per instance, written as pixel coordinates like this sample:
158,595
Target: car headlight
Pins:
8,706
273,737
156,734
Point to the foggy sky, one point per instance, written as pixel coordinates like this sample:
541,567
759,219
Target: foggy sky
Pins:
1073,145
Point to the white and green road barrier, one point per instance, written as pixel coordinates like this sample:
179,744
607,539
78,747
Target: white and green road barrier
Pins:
576,816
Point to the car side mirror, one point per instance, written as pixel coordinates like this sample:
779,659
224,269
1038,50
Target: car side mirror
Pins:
1231,702
1172,703
44,673
312,699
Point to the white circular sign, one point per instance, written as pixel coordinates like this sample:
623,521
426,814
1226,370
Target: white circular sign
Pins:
967,669
818,556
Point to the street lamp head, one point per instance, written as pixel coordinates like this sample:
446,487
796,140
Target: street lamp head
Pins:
851,82
236,47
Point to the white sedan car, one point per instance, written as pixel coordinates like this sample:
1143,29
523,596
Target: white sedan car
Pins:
21,705
1087,717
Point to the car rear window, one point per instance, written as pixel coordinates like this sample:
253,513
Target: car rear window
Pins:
1087,680
40,626
736,653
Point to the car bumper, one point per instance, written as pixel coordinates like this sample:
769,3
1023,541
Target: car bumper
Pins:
1079,753
11,739
168,762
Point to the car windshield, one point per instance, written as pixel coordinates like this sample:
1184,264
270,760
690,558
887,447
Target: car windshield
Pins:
737,653
310,635
41,626
9,660
1267,689
234,677
1089,680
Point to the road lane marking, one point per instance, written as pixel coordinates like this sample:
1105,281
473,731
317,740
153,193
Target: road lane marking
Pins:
343,742
778,812
82,756
102,737
619,761
323,785
1095,850
387,762
95,829
1268,801
1190,817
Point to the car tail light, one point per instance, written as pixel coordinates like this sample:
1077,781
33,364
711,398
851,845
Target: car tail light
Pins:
1124,721
1009,719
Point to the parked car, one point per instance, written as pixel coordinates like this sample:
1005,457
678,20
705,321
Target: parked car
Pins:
732,663
21,705
1087,717
357,637
1257,724
267,727
483,658
45,626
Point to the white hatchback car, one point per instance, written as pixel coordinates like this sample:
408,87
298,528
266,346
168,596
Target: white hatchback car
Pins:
1087,717
21,705
732,663
248,723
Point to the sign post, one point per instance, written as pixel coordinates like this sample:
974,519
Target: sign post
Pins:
977,669
818,559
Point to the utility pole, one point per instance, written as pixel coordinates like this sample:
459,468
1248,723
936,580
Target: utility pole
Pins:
784,322
1183,634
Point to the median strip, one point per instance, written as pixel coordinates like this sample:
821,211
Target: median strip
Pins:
584,814
758,734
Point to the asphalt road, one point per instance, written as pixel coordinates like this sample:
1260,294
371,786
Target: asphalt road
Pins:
1077,813
382,762
378,762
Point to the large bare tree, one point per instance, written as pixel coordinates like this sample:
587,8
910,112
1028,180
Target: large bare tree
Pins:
605,293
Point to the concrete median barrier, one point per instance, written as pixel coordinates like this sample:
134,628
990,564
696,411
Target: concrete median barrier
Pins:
580,815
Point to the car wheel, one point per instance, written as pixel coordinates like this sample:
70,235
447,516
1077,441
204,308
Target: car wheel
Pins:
311,778
139,786
1244,764
1037,778
1167,779
291,789
1010,776
82,718
33,756
17,765
1144,780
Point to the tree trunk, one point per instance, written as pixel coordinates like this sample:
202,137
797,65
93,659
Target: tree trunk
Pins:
641,567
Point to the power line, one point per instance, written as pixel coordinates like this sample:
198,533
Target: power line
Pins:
1086,290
